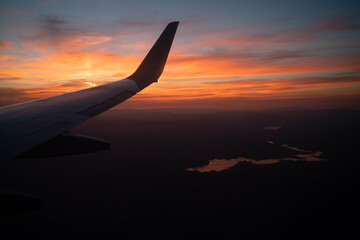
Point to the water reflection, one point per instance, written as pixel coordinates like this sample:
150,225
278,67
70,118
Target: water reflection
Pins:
295,148
218,165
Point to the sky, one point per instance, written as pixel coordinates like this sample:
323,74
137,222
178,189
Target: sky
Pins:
233,55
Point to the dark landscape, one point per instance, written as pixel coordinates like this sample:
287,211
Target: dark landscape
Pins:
143,187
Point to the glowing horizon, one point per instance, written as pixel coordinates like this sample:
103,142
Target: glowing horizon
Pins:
290,62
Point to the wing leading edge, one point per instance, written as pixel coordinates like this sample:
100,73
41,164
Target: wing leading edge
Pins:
27,125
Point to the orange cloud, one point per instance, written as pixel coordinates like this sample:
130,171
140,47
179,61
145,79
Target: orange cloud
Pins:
186,78
76,43
208,71
256,88
217,65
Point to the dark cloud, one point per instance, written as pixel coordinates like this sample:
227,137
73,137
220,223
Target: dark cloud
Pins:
337,23
277,45
241,54
266,56
52,31
57,33
54,26
5,44
10,96
315,101
338,77
8,78
327,80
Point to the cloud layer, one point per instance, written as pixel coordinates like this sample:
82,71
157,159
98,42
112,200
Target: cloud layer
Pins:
279,60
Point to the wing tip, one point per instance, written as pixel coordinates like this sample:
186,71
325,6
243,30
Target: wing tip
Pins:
174,23
153,64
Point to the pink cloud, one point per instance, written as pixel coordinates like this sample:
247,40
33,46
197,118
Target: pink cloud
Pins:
5,45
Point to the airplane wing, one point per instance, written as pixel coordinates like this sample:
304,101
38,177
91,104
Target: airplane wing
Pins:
39,128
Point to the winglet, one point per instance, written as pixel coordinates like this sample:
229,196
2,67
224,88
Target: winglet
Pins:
153,64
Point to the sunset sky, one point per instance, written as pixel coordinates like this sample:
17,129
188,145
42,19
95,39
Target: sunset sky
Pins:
238,55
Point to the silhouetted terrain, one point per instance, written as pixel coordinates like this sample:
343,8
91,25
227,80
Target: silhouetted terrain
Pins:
141,188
